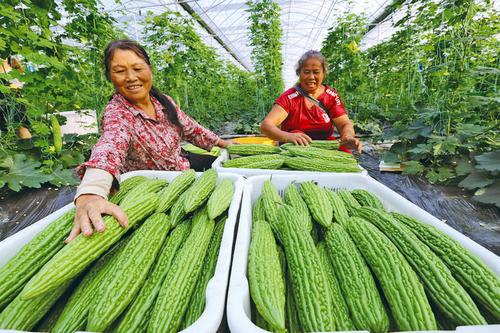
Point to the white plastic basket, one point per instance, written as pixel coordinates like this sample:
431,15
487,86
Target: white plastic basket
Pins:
224,157
238,302
211,318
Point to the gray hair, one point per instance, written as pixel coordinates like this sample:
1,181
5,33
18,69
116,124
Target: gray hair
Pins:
308,55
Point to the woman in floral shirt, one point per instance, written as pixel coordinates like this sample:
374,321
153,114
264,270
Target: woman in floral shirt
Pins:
141,130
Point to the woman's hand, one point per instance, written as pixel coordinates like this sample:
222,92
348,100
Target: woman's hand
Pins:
89,208
351,142
224,143
298,139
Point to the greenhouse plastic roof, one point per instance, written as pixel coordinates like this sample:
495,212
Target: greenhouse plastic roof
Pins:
305,24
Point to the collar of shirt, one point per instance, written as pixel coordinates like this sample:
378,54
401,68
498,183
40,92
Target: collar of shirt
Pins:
118,98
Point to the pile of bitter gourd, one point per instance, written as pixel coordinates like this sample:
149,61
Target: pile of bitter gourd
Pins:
322,261
320,155
148,277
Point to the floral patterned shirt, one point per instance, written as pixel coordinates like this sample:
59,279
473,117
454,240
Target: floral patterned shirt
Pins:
132,140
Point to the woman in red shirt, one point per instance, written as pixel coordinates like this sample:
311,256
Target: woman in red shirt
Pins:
301,121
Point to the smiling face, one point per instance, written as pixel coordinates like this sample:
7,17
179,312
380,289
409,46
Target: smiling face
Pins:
131,76
311,75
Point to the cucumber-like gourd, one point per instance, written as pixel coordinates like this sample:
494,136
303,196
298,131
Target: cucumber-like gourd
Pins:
23,315
312,297
446,292
242,161
168,196
323,154
135,318
197,301
221,198
75,313
181,278
350,203
258,212
355,279
126,186
200,190
265,275
294,199
80,252
152,185
269,164
343,321
252,149
56,130
292,319
318,203
286,145
367,198
120,286
271,201
47,323
477,278
32,256
325,144
316,164
340,214
402,288
177,213
286,153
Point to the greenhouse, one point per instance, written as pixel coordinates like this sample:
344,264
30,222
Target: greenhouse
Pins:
250,166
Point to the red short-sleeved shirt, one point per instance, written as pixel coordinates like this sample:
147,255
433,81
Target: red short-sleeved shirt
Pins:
314,122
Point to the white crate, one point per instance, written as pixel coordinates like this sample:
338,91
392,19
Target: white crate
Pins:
238,301
211,318
224,157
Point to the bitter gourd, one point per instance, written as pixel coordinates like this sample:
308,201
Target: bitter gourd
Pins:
168,196
32,256
318,203
135,318
340,313
56,130
252,149
367,198
340,214
179,283
447,294
355,279
316,164
294,199
221,198
265,275
75,256
402,288
242,161
200,190
477,278
312,297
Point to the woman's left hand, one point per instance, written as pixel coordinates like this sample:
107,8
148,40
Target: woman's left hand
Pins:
350,142
224,143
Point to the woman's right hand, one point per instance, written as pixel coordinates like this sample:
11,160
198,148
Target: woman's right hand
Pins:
298,139
89,210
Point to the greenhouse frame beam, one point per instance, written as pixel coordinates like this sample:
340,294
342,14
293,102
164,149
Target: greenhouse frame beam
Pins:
387,11
191,12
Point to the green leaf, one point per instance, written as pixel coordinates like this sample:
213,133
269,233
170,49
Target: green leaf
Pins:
464,166
469,129
413,168
490,194
440,174
476,179
62,177
23,172
489,161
